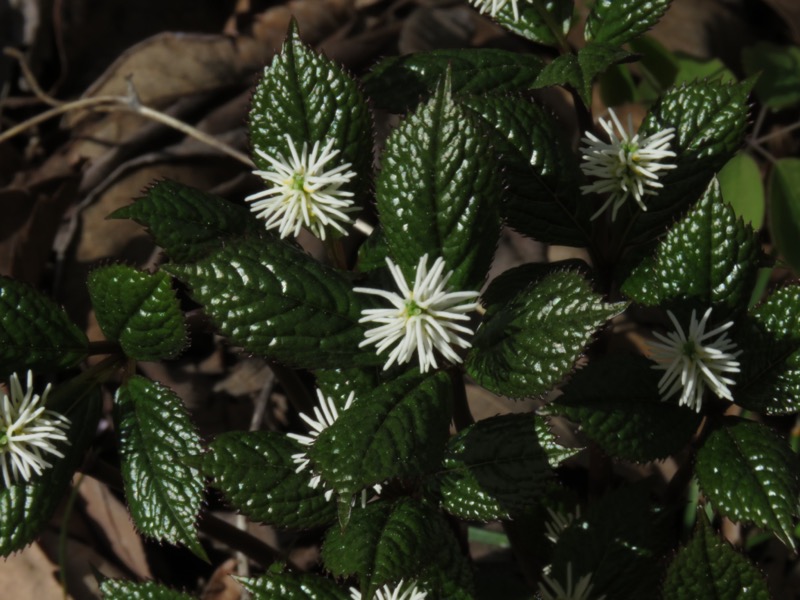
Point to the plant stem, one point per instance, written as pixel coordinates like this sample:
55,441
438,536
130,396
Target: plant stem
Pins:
335,251
462,417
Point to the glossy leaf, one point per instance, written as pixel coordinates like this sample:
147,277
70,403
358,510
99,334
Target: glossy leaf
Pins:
616,402
258,477
494,469
311,99
35,333
784,202
540,169
438,176
742,188
157,440
579,71
398,83
139,310
186,222
707,568
529,344
619,21
121,589
545,21
338,383
398,430
556,453
448,572
277,585
710,255
382,543
276,301
750,474
778,71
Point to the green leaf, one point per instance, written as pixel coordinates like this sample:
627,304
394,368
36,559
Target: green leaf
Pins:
448,572
292,586
528,345
122,589
398,83
709,121
373,252
710,255
692,69
35,333
258,477
339,383
556,453
750,474
382,543
770,340
778,70
543,21
659,64
494,469
139,310
742,188
157,441
398,430
26,508
619,21
617,86
707,568
186,222
578,71
311,99
276,301
616,401
784,202
439,176
540,168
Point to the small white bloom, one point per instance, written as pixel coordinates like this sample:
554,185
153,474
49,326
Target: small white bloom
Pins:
422,319
28,431
493,7
693,361
303,193
626,165
556,591
387,592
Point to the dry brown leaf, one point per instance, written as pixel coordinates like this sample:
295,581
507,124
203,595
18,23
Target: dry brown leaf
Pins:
222,586
30,575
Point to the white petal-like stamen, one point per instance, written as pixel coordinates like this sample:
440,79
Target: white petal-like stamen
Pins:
550,589
387,592
28,430
693,361
626,165
558,523
493,7
303,193
422,320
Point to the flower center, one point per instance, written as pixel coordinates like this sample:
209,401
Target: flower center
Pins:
413,309
298,181
690,350
3,440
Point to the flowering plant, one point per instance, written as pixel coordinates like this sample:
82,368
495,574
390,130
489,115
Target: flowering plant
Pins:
389,329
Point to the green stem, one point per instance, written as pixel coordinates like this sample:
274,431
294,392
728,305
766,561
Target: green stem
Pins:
563,44
335,251
62,535
462,417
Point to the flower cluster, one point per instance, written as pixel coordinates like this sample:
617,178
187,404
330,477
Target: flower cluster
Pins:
28,431
387,592
422,319
303,193
626,165
693,360
493,7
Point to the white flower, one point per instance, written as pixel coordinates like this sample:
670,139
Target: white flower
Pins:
693,361
303,193
582,591
625,166
387,592
28,431
422,319
493,7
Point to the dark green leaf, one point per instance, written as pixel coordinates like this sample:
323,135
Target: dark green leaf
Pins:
157,440
528,345
292,586
26,508
276,301
373,252
398,430
121,589
398,83
578,71
619,21
742,188
439,177
750,474
382,543
710,255
186,222
556,453
311,99
256,474
139,310
540,168
617,86
494,469
616,401
784,202
448,572
34,332
545,21
692,69
778,70
339,383
709,569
